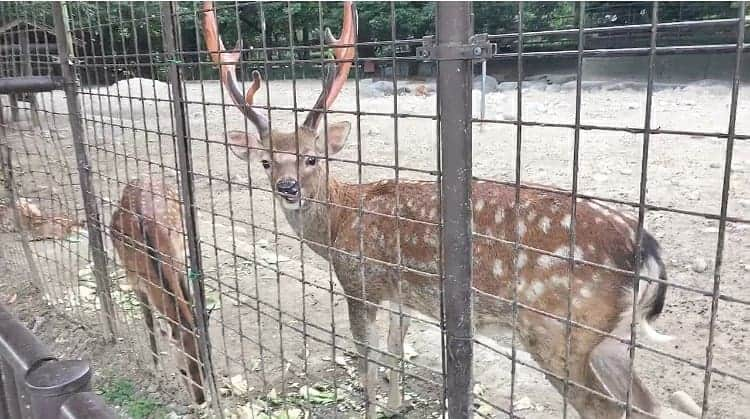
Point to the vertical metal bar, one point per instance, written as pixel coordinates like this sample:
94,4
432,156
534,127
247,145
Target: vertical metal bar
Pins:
573,205
170,37
98,254
516,207
27,70
455,26
483,107
642,203
724,205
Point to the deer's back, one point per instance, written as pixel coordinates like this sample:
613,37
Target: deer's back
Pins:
602,236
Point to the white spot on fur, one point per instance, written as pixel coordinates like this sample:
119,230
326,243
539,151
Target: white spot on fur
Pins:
598,220
544,224
497,268
546,261
521,260
479,205
585,292
565,252
521,229
559,281
499,215
536,290
565,222
531,216
433,213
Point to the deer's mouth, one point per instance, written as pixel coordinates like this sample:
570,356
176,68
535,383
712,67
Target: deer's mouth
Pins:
291,202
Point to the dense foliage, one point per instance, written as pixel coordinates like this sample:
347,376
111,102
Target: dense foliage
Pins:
118,28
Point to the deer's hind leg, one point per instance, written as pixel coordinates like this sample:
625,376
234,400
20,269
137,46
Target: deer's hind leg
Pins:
397,328
595,368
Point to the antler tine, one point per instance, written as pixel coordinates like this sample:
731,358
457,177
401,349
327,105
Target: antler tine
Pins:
227,61
338,71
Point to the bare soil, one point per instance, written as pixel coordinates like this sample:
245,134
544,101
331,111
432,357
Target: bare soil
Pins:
274,331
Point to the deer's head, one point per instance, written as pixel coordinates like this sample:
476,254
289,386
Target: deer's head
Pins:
291,159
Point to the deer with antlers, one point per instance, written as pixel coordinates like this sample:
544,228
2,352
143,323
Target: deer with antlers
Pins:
401,257
147,235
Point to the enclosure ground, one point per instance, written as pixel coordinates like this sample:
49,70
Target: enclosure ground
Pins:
293,314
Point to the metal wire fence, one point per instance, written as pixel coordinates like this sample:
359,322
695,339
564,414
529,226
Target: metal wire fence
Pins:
258,254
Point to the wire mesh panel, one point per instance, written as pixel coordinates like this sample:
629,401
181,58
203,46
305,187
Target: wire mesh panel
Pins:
275,215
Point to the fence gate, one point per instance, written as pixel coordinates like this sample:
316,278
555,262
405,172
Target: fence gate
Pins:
252,202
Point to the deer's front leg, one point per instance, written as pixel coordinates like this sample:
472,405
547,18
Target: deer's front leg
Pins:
148,318
362,324
397,327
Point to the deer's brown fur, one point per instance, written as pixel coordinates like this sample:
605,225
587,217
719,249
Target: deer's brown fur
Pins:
600,299
325,212
147,235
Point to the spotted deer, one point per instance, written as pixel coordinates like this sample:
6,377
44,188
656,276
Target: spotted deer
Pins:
325,212
40,225
147,234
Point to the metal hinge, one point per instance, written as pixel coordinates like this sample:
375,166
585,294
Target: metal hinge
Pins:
478,48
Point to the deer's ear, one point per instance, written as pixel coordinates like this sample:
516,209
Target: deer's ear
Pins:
243,144
337,135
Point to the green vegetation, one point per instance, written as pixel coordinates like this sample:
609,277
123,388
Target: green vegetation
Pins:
122,392
125,35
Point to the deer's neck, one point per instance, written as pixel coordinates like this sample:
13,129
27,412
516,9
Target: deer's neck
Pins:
316,222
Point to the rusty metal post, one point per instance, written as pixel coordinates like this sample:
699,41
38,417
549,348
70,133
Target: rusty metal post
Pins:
170,36
50,384
454,21
93,220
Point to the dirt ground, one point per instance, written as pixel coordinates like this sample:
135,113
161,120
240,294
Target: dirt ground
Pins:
273,333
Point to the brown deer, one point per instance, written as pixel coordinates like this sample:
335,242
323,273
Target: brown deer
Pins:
147,235
40,226
325,214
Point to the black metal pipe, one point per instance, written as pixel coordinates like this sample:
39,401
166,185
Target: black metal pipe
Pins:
86,405
11,407
29,84
50,384
454,101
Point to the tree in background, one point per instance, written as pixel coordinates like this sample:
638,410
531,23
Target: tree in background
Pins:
126,36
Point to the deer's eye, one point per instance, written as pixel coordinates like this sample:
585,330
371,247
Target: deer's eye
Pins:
266,164
310,161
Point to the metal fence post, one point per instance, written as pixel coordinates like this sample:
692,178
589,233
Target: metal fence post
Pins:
93,223
170,35
454,99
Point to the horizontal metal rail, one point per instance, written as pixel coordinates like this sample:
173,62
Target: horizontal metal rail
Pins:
28,84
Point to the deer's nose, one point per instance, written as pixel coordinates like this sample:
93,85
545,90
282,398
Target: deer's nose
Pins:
287,186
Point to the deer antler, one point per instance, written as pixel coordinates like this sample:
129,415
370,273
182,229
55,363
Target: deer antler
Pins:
335,73
227,60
